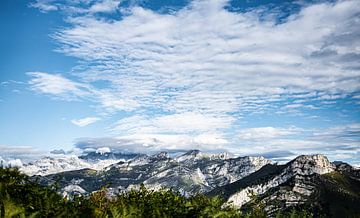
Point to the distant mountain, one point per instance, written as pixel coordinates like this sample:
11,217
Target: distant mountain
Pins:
310,182
61,163
189,173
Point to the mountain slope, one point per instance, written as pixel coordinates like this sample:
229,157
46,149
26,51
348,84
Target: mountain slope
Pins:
306,182
58,164
192,172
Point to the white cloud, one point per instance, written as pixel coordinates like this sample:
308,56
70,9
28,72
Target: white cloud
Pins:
72,7
205,58
105,6
263,133
103,150
335,142
56,85
44,5
59,87
17,154
187,122
277,143
211,139
195,72
148,143
85,121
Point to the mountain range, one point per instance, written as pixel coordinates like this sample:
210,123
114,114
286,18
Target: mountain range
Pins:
308,181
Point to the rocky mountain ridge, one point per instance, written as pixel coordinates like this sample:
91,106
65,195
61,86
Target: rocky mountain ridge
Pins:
61,163
191,172
297,168
306,181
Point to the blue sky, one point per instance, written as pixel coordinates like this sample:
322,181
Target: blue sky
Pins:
272,78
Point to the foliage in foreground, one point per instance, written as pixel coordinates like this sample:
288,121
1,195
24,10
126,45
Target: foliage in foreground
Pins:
20,197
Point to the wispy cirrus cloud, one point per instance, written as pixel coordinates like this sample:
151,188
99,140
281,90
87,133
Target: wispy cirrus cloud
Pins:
85,121
44,5
57,86
181,123
204,55
263,133
73,7
104,6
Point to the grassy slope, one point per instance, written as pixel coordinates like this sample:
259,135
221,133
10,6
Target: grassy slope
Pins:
339,195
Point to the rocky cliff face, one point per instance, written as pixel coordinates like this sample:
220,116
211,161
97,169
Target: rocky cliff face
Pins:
297,170
309,182
310,164
195,172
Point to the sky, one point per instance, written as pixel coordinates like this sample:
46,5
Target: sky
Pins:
249,77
